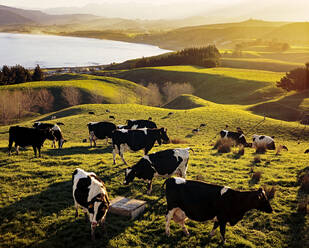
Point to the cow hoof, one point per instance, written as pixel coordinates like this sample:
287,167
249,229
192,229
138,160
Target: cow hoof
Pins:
187,233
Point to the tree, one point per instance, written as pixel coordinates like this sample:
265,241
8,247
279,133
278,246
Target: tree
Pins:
295,79
37,74
6,72
71,95
154,97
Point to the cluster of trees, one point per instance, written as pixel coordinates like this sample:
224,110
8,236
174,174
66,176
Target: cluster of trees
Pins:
205,56
156,95
296,79
18,74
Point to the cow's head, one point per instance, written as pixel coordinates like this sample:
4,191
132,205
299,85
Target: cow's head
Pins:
129,175
163,136
242,140
61,142
262,201
97,209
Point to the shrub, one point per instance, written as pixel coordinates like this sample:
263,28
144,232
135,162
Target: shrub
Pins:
177,141
302,207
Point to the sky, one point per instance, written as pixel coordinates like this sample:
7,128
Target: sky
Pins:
225,10
41,4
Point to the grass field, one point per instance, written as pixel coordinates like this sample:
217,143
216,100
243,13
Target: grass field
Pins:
36,205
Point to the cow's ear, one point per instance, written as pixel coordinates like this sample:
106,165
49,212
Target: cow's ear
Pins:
165,129
90,205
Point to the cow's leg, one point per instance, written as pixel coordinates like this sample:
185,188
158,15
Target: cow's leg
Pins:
16,149
222,231
39,149
85,214
34,149
149,188
106,140
122,158
216,224
102,222
90,140
10,145
114,156
76,208
92,231
168,219
95,144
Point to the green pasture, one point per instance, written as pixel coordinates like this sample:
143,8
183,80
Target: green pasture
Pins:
36,206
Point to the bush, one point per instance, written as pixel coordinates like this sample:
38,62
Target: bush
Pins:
224,145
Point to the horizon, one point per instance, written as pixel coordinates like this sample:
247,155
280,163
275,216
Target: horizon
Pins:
215,10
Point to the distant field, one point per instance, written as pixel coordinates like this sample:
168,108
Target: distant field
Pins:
220,85
36,206
260,64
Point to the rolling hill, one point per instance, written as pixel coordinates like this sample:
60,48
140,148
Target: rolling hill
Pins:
104,89
219,85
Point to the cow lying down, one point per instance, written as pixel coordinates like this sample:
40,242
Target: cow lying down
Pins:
200,201
90,193
162,163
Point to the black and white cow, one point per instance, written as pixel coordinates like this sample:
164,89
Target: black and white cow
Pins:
200,201
238,137
163,163
135,124
56,131
100,130
264,141
135,140
24,136
90,194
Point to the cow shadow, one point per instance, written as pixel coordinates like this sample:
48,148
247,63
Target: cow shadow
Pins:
78,150
57,194
298,229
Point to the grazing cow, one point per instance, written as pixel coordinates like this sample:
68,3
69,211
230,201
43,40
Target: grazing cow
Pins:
56,131
90,194
24,136
135,140
200,201
195,131
203,125
112,117
170,113
307,151
263,141
239,138
150,118
53,117
60,123
100,130
107,111
162,163
135,124
91,113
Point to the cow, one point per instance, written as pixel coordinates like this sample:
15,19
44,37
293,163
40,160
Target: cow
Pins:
112,117
137,139
24,136
135,124
200,201
264,141
238,137
100,130
90,194
163,163
56,131
91,113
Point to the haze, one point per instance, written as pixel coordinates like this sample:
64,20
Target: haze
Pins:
216,10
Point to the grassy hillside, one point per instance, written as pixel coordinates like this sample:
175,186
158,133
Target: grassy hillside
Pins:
220,85
186,101
110,90
36,206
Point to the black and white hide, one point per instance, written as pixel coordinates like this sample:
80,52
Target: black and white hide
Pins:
90,194
163,163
